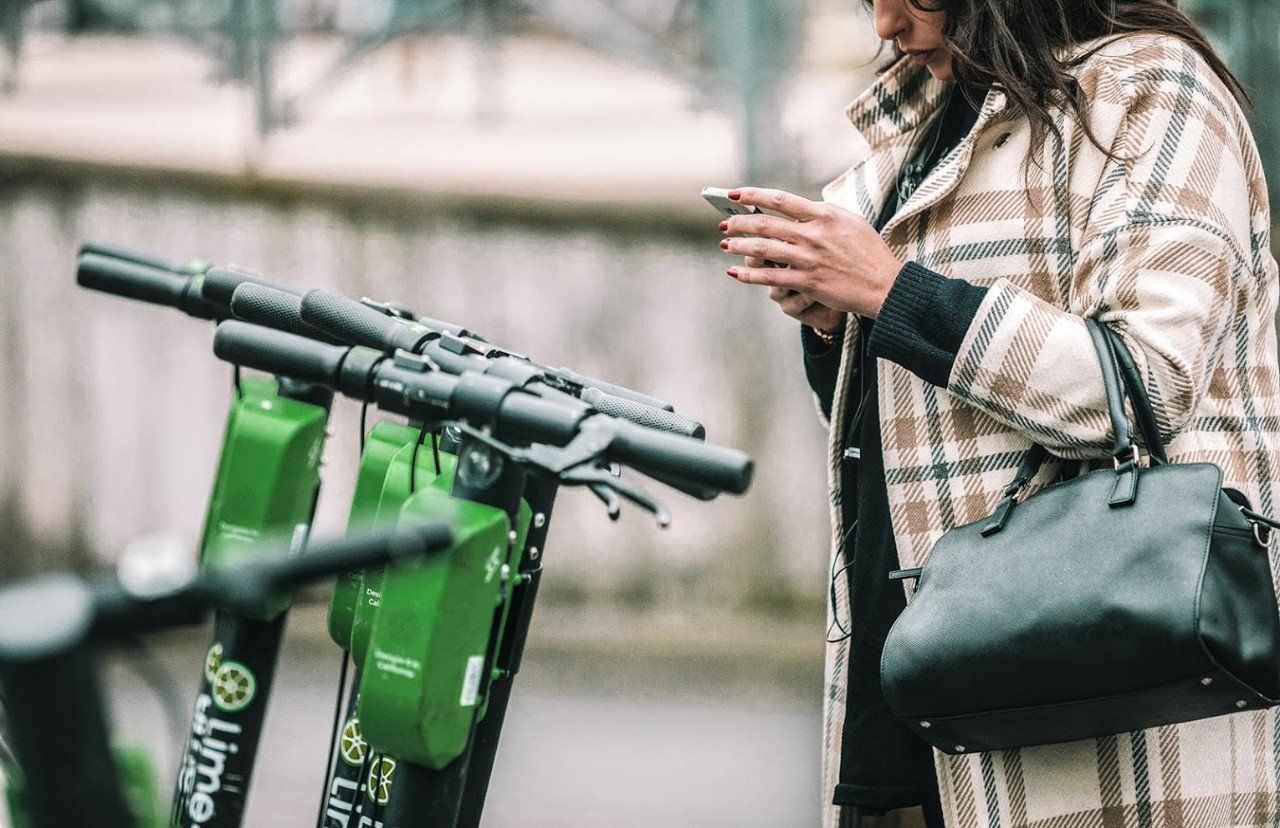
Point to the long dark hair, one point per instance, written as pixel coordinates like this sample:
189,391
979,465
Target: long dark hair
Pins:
1016,44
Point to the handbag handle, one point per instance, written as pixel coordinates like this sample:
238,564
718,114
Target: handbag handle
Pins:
1120,378
1143,412
1115,391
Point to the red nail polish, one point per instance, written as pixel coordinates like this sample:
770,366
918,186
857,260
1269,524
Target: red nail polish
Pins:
724,227
732,272
724,245
734,195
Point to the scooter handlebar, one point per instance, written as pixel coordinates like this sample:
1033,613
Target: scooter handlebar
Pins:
347,320
111,251
251,583
278,352
271,308
145,283
514,415
220,284
615,390
641,414
684,458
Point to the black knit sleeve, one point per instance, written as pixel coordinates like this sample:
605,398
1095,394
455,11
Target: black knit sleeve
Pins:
923,321
821,366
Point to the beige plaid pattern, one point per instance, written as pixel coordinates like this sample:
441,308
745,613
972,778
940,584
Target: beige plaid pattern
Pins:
1169,243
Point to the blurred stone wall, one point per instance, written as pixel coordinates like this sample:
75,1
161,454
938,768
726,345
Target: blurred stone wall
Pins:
112,411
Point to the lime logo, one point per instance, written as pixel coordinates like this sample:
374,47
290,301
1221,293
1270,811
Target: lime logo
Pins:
379,783
233,686
212,660
354,748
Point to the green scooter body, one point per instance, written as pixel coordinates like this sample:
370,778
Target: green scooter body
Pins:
395,492
266,485
381,445
267,478
433,642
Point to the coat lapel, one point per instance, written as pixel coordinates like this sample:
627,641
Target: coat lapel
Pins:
890,116
886,117
946,176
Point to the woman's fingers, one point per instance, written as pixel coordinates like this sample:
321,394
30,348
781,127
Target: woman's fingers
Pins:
782,277
820,316
805,309
780,201
791,303
770,249
760,225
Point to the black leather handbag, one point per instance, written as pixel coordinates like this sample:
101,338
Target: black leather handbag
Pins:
1117,600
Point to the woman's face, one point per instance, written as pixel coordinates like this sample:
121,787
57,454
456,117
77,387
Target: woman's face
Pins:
918,33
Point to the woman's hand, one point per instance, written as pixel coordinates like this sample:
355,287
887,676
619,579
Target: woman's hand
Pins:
803,307
833,257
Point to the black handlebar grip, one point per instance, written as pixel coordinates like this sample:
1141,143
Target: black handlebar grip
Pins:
349,321
131,280
683,458
220,284
124,254
641,414
277,352
361,549
248,584
271,308
615,390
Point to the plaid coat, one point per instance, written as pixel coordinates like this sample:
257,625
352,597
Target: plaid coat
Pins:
1169,243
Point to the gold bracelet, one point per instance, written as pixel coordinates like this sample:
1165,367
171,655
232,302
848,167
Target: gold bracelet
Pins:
828,338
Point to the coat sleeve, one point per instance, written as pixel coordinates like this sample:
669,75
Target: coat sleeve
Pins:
822,368
1165,260
923,321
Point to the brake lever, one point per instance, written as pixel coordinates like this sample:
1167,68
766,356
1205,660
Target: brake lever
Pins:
594,476
578,463
391,309
610,500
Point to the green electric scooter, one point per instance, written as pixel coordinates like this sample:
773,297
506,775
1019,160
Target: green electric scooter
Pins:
267,482
439,629
388,328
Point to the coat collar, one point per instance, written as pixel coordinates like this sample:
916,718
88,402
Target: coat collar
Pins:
888,116
898,102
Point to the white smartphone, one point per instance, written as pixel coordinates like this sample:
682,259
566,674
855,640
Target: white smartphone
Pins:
718,197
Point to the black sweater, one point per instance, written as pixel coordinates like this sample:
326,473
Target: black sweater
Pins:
883,766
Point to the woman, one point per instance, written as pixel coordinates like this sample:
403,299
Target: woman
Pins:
1027,164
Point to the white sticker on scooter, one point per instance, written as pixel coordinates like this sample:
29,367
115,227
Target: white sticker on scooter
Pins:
471,681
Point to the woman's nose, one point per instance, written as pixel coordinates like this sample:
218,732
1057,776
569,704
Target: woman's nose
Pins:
890,21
